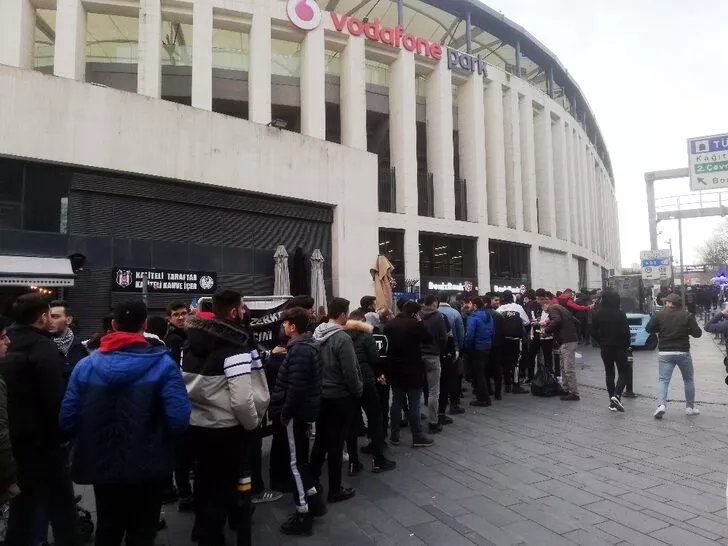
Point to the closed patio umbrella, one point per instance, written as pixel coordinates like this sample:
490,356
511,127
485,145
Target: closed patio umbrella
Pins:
318,288
382,277
282,278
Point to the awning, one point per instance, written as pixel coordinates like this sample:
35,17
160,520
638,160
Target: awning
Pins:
33,270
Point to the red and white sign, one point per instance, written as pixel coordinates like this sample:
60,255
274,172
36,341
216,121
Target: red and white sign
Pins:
305,14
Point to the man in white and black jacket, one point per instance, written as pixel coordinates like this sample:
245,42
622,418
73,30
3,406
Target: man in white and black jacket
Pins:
229,394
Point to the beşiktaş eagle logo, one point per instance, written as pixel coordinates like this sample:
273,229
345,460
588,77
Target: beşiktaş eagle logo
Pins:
305,14
123,278
206,282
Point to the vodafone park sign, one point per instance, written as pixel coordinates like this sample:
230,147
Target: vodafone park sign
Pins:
307,15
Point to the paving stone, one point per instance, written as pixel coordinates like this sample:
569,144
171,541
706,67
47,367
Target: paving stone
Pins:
497,536
491,511
436,533
542,515
660,507
626,516
591,537
680,537
714,525
404,511
567,492
632,537
533,533
689,497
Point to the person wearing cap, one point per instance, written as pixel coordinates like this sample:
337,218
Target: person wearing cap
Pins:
673,327
125,403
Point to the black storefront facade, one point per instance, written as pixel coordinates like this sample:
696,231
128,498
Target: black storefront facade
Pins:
510,265
448,264
190,239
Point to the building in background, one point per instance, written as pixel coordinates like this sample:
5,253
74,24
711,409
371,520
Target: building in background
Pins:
193,137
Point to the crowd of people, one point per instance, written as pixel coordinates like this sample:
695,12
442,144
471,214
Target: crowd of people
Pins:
152,399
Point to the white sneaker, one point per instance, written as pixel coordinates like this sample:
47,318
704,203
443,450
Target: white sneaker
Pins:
692,411
660,411
617,403
612,408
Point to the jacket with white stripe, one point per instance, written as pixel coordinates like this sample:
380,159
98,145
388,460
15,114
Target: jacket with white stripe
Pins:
223,374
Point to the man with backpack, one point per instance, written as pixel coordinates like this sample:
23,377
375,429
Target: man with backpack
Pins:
514,322
478,341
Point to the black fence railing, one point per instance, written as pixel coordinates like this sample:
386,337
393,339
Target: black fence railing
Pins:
387,189
461,200
425,194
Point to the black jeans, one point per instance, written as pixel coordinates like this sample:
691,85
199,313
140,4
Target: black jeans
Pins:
511,354
52,493
221,454
448,378
297,435
279,461
128,510
370,403
615,357
183,466
332,429
546,346
480,362
383,395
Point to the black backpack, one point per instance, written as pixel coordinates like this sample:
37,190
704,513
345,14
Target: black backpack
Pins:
512,327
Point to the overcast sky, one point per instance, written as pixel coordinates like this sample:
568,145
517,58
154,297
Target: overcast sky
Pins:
654,75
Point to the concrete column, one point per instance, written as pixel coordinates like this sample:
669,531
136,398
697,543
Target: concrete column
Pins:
353,94
594,246
579,187
528,164
561,181
259,77
495,154
313,84
539,278
69,60
471,141
403,153
512,130
403,131
440,148
202,55
584,192
149,68
545,174
573,200
17,33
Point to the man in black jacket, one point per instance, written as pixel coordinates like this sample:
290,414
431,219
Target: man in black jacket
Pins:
565,329
611,330
432,352
406,334
33,371
295,402
8,470
60,326
673,327
176,336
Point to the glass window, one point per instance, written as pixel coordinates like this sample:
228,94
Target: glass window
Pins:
391,245
11,194
509,263
230,50
447,257
286,58
111,38
333,62
176,44
377,73
45,37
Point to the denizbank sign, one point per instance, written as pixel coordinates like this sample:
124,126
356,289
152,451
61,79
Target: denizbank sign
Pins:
307,15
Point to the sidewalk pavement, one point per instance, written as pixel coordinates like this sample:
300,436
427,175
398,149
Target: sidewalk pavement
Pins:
542,472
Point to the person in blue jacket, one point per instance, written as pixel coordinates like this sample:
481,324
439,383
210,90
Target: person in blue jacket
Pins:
478,341
124,404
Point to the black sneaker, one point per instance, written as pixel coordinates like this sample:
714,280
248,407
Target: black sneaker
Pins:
345,493
481,403
630,395
300,523
617,403
394,438
456,410
444,419
355,469
434,428
187,504
571,397
422,441
316,505
383,465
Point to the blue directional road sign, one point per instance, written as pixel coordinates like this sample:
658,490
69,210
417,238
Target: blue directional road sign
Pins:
708,159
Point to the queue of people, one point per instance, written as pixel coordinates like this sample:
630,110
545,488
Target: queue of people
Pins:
131,410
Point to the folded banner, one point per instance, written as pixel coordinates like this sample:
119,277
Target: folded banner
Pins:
266,325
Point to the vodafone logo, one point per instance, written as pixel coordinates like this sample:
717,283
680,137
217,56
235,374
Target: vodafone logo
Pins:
305,14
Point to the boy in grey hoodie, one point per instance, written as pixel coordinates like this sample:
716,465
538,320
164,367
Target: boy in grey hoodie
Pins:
341,388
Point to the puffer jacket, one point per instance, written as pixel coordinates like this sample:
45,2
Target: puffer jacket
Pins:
609,325
480,332
297,391
365,347
224,375
673,327
123,403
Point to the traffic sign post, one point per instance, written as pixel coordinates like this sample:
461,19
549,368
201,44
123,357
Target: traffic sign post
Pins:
708,159
656,265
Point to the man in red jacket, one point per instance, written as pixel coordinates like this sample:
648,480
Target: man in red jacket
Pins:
566,299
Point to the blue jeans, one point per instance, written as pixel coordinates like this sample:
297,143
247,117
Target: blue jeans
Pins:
395,414
667,364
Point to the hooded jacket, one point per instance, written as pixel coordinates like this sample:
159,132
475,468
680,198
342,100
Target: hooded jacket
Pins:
609,325
340,374
122,403
481,329
33,372
437,328
367,354
297,390
673,326
566,301
404,356
223,374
